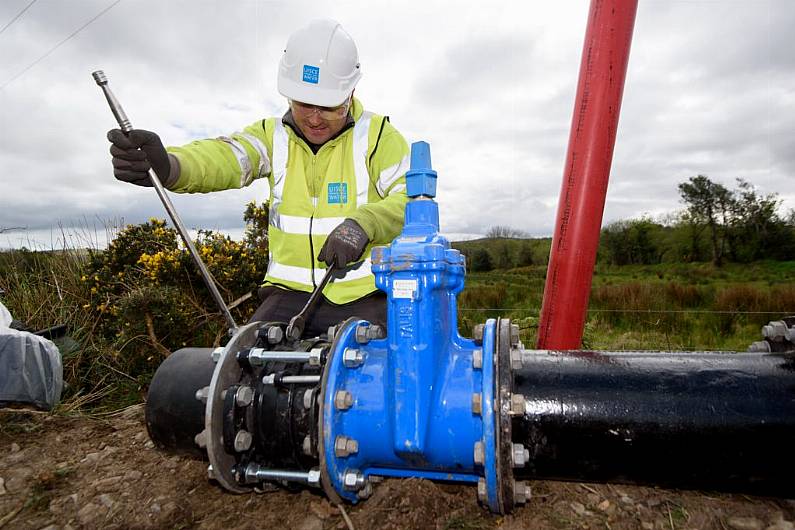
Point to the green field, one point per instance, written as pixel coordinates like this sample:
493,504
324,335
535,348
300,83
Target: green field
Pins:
692,306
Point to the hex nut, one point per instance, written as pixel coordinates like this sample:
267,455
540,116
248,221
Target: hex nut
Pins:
313,478
307,445
366,491
202,393
516,359
480,453
477,332
482,493
477,359
201,439
243,440
315,355
477,404
361,334
216,355
352,358
343,400
517,404
275,335
344,446
308,395
519,455
514,335
375,332
210,472
521,492
331,333
775,330
760,346
353,480
244,396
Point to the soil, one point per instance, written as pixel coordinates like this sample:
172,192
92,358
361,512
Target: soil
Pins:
59,472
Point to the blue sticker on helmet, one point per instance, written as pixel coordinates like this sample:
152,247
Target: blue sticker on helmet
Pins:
311,74
337,193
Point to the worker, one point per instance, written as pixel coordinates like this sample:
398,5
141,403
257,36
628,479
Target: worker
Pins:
336,175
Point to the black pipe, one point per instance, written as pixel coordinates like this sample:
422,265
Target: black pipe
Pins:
714,421
173,414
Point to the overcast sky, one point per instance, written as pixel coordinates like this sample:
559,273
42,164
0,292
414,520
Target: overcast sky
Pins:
710,90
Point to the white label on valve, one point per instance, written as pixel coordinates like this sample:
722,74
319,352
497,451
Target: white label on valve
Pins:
404,288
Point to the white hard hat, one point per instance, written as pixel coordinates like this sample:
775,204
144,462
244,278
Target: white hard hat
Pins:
320,65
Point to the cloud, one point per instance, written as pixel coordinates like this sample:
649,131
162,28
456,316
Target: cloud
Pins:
491,90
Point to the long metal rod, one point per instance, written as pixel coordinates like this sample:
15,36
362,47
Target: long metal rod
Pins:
126,127
582,196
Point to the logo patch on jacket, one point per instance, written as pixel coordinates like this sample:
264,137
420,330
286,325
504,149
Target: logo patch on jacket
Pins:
337,193
311,74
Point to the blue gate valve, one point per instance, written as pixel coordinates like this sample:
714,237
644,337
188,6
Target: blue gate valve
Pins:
421,401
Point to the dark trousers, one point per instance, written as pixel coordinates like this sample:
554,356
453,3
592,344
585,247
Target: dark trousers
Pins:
279,305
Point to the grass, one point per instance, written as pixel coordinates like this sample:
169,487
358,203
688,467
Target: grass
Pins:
655,307
652,307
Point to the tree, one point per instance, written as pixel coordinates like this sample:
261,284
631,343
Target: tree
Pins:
526,257
757,230
505,232
632,242
708,204
481,261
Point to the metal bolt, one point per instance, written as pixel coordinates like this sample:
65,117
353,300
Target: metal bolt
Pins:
243,441
760,346
216,355
775,330
210,472
343,400
313,478
366,491
477,359
477,404
516,359
275,335
517,404
353,480
202,394
201,439
480,453
375,332
332,332
361,334
308,395
482,494
308,445
477,332
268,379
514,335
352,358
519,455
315,355
344,446
521,492
244,396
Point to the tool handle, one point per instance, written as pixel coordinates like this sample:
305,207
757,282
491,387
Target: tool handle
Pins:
126,127
296,326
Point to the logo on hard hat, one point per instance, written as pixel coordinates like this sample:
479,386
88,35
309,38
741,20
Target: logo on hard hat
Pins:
311,74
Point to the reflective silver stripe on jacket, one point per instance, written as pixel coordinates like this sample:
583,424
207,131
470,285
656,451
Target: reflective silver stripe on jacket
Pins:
304,274
391,174
293,224
264,166
361,132
239,151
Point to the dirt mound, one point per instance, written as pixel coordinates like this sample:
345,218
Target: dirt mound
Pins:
84,472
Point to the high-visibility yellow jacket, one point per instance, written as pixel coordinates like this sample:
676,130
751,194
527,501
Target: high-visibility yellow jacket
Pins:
360,175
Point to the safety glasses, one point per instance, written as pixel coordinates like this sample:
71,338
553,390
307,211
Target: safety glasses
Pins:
326,113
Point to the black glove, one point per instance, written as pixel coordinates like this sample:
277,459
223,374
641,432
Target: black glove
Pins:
344,244
136,153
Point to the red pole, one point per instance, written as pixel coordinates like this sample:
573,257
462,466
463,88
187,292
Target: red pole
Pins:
603,69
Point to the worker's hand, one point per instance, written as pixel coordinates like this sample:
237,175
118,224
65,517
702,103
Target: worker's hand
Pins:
136,153
344,244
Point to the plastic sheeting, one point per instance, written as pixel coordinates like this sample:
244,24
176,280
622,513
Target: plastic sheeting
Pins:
30,367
